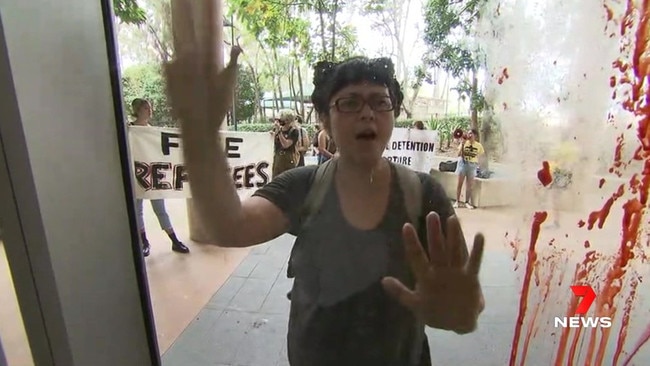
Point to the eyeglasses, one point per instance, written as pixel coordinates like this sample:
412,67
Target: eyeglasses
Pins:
356,104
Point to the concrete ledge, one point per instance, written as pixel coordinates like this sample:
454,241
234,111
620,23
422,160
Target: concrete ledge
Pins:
491,192
495,192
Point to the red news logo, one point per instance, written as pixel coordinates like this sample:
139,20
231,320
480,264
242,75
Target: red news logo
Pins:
580,320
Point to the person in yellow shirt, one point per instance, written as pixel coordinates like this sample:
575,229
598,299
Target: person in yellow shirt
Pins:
563,159
469,152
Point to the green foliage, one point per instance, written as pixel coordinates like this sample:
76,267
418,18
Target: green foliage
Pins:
444,125
129,12
271,23
245,106
448,34
266,127
147,81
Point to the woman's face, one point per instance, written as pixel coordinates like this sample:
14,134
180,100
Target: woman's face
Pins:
145,111
361,121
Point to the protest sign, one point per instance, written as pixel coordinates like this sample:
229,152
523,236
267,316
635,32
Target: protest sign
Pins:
157,161
413,148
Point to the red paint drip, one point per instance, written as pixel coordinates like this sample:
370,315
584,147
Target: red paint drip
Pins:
622,334
579,277
544,175
633,209
532,328
601,215
645,337
538,220
504,75
601,183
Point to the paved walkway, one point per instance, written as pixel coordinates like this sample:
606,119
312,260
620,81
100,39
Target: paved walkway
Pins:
245,323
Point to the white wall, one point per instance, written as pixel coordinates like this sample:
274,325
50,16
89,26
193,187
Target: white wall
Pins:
60,140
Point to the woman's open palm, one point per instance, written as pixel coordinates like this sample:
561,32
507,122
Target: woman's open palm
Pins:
447,295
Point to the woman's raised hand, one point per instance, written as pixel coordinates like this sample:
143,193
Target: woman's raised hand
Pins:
200,90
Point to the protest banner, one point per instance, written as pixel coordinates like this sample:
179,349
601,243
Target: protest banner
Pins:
159,172
413,148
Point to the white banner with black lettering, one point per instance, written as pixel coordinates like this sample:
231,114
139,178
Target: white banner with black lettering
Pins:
413,148
160,173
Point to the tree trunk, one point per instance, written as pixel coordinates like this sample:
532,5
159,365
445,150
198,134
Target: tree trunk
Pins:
275,96
334,11
321,16
292,87
256,87
278,79
473,105
301,90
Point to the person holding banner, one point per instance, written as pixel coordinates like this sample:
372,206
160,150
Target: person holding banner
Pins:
142,111
358,254
287,137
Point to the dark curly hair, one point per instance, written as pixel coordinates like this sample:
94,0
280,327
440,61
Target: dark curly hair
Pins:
331,77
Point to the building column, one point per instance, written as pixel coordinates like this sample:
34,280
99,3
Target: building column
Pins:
197,229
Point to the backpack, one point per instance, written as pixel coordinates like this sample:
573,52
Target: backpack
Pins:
303,138
408,180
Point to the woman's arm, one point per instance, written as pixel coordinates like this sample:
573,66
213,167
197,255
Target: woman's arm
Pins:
322,144
193,88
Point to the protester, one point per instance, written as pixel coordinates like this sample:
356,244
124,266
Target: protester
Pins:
418,125
142,111
355,257
326,146
286,137
469,152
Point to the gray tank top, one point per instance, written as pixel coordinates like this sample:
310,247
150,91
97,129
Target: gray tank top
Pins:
340,314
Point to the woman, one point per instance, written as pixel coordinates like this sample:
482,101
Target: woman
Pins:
469,152
326,146
286,137
356,260
142,112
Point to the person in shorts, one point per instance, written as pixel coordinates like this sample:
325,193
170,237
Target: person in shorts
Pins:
469,152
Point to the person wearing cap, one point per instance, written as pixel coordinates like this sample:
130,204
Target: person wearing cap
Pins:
285,137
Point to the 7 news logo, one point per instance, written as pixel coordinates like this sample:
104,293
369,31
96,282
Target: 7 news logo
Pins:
580,320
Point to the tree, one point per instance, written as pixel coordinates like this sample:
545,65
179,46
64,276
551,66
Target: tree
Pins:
448,34
281,36
128,11
390,19
149,41
332,39
147,81
248,96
